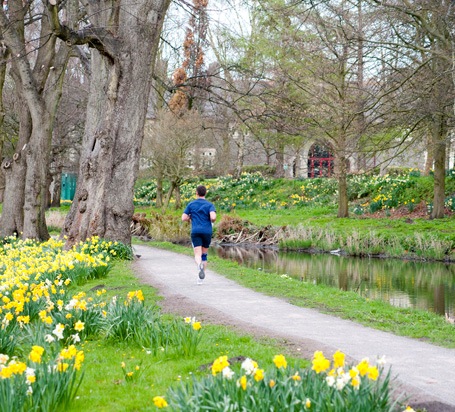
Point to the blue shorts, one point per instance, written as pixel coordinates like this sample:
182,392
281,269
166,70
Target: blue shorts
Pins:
201,239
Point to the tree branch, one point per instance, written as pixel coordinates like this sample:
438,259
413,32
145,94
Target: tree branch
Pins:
96,37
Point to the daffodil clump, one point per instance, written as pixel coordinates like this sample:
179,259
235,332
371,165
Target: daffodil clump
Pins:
187,336
178,337
42,321
45,380
329,385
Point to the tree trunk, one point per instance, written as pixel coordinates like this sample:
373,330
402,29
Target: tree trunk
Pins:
12,218
341,174
439,131
430,157
360,118
168,197
159,191
37,158
240,154
57,188
279,172
119,89
3,55
178,198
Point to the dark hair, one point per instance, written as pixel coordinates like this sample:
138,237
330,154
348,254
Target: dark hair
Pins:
201,190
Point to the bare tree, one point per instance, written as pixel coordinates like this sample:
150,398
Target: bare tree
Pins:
38,73
169,147
425,29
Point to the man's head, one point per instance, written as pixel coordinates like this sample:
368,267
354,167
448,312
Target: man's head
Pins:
201,191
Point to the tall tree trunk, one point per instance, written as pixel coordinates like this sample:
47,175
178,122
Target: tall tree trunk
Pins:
57,188
12,218
168,197
430,156
224,160
341,175
279,172
159,191
3,55
439,132
122,69
360,118
37,158
240,141
178,197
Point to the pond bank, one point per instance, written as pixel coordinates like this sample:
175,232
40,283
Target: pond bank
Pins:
399,239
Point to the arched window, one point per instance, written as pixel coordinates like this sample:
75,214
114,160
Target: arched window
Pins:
320,161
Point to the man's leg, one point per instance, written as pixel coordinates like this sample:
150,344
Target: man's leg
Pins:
198,255
204,251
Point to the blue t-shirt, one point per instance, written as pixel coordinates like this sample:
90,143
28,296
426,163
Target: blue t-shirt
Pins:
199,210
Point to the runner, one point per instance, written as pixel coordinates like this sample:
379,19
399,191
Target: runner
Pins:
202,214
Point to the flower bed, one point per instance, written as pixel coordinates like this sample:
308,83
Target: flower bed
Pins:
326,386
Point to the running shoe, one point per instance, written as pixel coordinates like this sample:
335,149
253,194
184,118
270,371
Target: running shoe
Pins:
201,271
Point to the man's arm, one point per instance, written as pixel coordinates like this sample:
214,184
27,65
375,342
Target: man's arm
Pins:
212,216
185,217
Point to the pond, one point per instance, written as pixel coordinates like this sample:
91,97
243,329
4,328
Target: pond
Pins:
422,285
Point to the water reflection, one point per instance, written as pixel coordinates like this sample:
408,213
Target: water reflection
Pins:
428,286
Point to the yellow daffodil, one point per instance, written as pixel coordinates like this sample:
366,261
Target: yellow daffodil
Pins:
280,361
338,359
219,364
373,373
62,367
320,363
258,375
79,326
363,366
243,382
160,402
31,378
36,354
296,377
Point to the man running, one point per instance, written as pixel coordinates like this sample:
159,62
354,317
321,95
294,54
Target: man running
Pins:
202,214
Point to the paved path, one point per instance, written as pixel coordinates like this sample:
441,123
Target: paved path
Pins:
427,372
